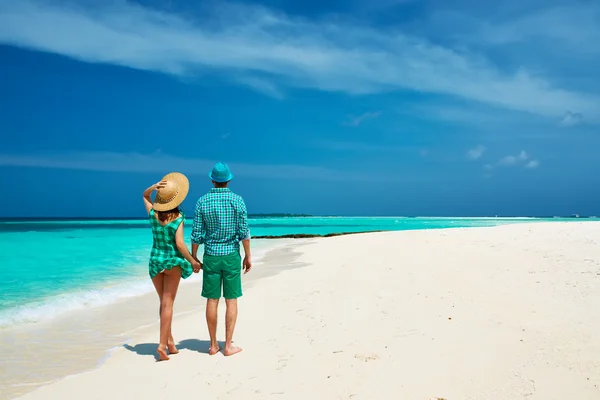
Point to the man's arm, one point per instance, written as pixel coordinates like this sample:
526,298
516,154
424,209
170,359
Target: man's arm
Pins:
246,244
243,234
198,231
195,250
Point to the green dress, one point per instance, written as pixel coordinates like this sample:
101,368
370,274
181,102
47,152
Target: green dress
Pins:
165,254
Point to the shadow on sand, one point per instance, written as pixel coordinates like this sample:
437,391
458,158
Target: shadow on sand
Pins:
149,349
143,349
201,346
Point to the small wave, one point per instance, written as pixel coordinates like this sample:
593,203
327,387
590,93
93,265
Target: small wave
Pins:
26,384
59,304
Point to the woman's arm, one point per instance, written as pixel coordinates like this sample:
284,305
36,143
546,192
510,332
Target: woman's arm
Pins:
148,192
182,247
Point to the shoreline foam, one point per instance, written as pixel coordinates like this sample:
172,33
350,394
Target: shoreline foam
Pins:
109,292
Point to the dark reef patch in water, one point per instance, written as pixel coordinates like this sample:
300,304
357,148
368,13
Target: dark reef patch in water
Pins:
309,235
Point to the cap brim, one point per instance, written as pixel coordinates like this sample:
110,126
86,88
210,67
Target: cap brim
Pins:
183,186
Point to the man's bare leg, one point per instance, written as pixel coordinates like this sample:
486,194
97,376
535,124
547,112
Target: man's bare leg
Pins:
230,319
212,306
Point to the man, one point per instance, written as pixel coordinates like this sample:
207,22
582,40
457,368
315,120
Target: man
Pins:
221,223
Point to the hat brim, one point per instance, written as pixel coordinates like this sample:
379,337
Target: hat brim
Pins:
220,180
183,187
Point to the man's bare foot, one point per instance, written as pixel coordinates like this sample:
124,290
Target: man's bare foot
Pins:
212,350
162,353
231,350
172,348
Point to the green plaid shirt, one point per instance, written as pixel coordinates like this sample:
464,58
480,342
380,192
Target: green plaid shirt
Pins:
220,222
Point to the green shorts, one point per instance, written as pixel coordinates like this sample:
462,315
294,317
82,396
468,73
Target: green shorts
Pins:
222,270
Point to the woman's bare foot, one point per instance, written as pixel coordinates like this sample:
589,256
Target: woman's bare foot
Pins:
172,348
231,350
162,353
212,350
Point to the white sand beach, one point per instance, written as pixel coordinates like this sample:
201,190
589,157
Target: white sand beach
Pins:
507,312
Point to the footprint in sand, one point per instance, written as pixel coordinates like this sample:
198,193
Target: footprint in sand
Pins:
282,363
366,357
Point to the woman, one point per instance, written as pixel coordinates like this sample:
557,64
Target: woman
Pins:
170,259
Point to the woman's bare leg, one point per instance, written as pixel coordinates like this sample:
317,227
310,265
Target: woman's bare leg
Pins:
170,286
158,282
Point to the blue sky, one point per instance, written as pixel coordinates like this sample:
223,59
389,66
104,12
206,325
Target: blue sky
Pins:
385,107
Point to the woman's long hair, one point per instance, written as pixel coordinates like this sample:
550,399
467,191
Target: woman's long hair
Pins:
169,215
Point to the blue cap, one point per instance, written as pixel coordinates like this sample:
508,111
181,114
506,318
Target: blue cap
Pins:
220,173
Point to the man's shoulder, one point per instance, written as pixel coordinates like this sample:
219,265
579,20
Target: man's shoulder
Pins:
237,197
204,198
210,195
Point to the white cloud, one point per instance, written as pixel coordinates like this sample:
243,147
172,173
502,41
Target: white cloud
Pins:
514,25
479,115
262,85
268,50
513,160
356,121
532,164
459,114
508,160
573,25
476,152
571,119
159,162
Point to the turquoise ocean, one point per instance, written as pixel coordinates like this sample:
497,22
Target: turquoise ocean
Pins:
49,267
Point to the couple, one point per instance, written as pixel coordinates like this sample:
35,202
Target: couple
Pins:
220,223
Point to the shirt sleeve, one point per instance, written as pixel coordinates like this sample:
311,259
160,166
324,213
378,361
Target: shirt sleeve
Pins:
243,231
198,230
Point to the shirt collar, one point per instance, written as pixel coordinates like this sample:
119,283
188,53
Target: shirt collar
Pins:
225,189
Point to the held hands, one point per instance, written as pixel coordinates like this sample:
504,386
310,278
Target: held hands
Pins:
247,264
196,265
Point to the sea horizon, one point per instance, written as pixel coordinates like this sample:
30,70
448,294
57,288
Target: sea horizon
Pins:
285,215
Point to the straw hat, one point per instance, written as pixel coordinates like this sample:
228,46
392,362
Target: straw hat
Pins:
173,194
